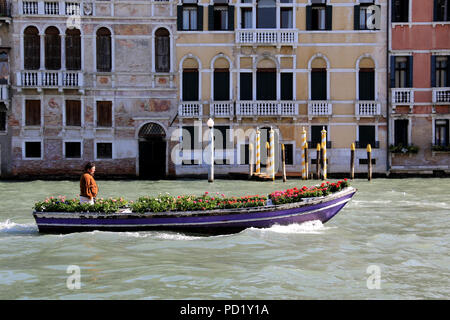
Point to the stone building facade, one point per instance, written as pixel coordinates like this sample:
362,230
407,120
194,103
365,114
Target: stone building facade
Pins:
420,85
87,87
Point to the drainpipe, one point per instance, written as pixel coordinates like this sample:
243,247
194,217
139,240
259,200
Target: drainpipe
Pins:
388,102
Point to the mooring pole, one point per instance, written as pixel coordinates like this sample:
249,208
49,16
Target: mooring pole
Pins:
272,153
250,160
369,162
306,161
352,161
318,161
283,162
324,150
267,158
210,124
258,151
303,154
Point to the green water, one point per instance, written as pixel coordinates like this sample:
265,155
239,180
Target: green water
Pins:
399,226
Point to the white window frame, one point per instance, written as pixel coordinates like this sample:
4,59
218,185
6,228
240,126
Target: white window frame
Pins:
81,149
112,150
81,116
41,140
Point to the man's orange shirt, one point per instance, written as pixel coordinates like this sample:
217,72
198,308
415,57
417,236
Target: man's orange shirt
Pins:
88,187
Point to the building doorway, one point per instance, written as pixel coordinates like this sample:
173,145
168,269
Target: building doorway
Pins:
152,152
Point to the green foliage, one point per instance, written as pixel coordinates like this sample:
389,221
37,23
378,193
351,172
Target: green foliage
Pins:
403,149
61,204
441,148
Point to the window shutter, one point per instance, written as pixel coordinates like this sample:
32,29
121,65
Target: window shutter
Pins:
329,18
319,85
356,16
210,17
308,17
221,85
392,71
246,86
231,18
287,86
433,71
179,18
448,72
435,10
410,72
200,18
393,11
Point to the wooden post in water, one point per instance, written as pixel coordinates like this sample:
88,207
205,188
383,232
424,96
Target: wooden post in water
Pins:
318,160
272,154
324,153
283,162
306,161
369,162
267,158
250,160
258,152
352,161
303,154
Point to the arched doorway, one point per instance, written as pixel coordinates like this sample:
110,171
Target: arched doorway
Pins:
152,151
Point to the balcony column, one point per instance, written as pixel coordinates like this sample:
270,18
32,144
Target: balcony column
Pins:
63,52
277,18
62,8
42,59
41,7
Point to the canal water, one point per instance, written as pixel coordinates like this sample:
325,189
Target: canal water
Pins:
391,241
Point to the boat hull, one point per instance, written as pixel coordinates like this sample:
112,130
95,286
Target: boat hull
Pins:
209,222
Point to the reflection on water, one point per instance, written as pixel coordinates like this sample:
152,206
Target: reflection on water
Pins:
401,226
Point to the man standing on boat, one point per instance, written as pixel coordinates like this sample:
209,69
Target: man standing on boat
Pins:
88,186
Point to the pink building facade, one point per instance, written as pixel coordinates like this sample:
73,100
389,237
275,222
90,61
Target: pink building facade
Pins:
419,51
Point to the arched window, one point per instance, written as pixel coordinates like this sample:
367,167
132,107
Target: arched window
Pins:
319,79
221,78
190,83
104,50
32,48
162,49
73,49
52,49
366,81
4,68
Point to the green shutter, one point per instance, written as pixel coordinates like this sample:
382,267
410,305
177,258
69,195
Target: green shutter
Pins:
246,86
179,18
448,72
393,10
356,16
210,17
231,18
392,72
308,17
200,18
435,11
329,18
410,72
433,71
287,86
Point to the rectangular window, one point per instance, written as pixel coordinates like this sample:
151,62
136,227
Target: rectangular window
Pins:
222,142
400,10
73,150
246,18
73,113
364,14
442,71
190,143
316,135
366,136
441,10
245,154
2,117
287,88
220,17
246,86
32,149
104,113
318,18
104,150
289,153
221,84
190,17
366,84
318,84
266,84
286,18
190,85
401,72
401,132
32,112
442,133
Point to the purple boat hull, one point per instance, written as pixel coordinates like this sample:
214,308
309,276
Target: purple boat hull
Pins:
204,222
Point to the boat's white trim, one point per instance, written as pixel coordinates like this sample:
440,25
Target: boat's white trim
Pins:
195,223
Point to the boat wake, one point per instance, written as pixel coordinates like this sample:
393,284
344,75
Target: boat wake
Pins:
10,227
309,227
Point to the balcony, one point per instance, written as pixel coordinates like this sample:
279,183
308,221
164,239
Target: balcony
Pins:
221,109
50,79
402,96
5,11
276,37
51,8
190,109
319,109
4,93
367,109
266,109
441,96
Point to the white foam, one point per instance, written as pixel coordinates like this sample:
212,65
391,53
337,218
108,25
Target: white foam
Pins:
15,228
311,227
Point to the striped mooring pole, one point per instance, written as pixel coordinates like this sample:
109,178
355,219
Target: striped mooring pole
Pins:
324,148
258,152
272,153
304,177
307,161
267,158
